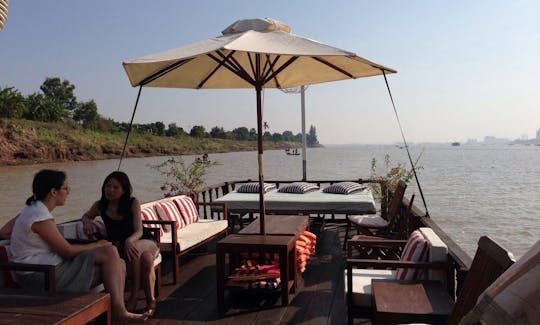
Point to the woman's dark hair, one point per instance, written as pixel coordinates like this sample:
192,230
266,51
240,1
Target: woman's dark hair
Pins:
124,205
44,181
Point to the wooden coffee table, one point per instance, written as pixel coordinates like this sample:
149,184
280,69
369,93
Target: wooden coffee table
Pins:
21,307
398,302
284,245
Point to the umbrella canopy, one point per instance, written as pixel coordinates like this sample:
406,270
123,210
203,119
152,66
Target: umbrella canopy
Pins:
253,53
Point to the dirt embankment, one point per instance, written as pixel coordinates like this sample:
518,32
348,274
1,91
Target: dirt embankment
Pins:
27,142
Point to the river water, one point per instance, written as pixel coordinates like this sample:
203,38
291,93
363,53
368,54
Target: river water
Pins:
470,191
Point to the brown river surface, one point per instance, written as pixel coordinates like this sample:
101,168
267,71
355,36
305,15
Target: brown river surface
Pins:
470,191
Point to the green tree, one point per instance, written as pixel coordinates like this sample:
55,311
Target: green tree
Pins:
276,137
87,115
174,131
288,136
241,133
197,131
158,128
61,91
11,103
44,109
311,137
218,133
267,136
252,134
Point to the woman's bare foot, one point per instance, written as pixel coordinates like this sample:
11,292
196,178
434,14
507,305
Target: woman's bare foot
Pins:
129,318
151,308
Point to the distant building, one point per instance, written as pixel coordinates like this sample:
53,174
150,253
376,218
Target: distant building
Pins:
538,135
493,140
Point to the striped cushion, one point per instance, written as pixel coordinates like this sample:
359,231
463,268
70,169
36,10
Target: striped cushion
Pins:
416,250
298,188
187,208
344,188
254,188
169,211
151,215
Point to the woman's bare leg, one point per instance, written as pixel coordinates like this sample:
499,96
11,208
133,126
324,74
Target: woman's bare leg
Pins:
113,275
141,271
149,251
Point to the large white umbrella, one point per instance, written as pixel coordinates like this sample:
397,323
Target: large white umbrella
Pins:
252,53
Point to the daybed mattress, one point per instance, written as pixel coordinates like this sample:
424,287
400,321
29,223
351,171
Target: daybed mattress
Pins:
312,202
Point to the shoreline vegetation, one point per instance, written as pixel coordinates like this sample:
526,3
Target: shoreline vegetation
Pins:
26,142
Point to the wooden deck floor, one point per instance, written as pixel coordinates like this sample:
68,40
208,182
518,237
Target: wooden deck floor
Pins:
319,298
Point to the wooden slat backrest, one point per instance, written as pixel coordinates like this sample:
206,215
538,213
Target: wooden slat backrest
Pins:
397,199
490,261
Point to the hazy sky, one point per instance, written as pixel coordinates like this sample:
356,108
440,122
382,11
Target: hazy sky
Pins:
466,69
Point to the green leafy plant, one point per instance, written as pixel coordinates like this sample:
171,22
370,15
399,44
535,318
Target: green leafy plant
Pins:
392,174
181,177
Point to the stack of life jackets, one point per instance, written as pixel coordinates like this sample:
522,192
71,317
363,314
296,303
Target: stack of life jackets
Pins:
305,248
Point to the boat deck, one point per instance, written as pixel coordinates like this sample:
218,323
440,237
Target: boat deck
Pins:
319,298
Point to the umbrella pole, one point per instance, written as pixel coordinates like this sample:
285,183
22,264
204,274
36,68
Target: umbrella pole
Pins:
303,104
262,210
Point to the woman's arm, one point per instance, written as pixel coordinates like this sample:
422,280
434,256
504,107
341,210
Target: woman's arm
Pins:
88,217
5,231
129,248
48,231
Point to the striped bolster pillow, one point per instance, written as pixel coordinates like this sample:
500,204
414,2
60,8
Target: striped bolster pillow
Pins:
187,208
169,211
415,250
150,214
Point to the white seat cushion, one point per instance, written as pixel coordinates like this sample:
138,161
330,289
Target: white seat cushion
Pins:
361,279
368,220
438,252
193,234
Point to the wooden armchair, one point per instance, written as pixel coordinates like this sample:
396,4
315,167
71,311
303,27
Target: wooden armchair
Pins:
373,224
6,267
431,257
489,262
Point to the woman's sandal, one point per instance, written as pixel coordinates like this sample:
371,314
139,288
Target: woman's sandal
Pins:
151,308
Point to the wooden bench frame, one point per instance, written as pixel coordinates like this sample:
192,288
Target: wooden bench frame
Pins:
176,253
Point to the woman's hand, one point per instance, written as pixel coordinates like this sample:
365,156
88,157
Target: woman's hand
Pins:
88,227
102,242
130,251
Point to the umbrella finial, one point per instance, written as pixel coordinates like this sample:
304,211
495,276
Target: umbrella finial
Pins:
257,24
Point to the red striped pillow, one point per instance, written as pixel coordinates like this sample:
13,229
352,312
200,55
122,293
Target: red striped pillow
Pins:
151,215
416,250
169,211
187,208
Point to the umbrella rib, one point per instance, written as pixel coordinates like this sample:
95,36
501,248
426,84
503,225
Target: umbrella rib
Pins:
332,66
163,72
285,65
220,64
227,64
271,69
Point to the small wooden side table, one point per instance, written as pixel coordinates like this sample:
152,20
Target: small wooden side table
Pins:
280,244
399,302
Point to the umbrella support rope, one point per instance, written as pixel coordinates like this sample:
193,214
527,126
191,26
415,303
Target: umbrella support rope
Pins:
129,128
405,143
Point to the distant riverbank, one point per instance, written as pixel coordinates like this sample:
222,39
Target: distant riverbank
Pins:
26,142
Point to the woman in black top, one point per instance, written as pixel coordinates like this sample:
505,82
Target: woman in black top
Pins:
121,214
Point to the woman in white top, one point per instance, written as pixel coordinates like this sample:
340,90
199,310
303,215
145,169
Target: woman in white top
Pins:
36,239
